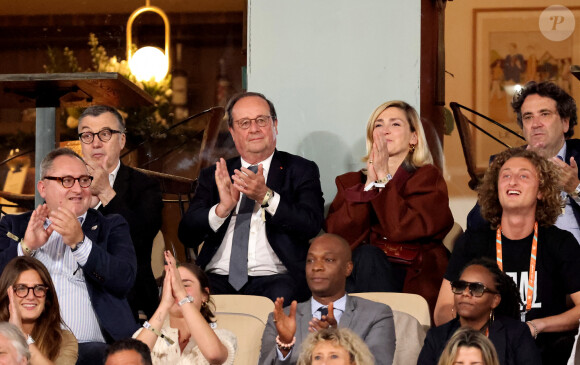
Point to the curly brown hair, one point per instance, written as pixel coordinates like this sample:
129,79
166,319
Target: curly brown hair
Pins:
565,103
549,207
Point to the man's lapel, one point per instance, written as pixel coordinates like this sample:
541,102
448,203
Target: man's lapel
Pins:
91,225
303,317
348,312
277,173
573,152
233,164
121,183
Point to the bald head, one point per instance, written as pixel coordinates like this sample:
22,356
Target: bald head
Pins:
339,245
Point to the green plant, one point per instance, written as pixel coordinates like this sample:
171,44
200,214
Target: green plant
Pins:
141,122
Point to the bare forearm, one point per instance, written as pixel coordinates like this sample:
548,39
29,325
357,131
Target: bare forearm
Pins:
209,344
566,321
147,336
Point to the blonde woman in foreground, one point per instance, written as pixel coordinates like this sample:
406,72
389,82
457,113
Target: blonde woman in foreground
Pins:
469,347
337,346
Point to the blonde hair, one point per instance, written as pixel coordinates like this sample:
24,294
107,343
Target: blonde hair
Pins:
341,337
421,156
467,337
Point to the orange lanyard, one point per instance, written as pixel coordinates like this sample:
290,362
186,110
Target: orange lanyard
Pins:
532,271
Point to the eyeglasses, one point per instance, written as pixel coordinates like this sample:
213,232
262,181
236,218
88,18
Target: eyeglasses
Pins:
22,291
104,135
261,121
475,289
69,181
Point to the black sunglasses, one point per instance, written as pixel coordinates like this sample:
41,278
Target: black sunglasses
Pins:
475,289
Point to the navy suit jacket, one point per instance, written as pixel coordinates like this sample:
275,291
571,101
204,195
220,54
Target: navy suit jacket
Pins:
138,199
299,216
372,321
109,272
476,222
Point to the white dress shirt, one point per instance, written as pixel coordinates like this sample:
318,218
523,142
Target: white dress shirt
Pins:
112,177
262,260
65,268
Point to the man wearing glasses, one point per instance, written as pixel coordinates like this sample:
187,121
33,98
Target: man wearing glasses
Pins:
90,257
255,213
547,115
520,198
120,189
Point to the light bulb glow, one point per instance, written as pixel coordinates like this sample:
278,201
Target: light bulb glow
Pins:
148,63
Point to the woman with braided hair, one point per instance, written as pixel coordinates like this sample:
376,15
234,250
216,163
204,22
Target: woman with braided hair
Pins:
487,300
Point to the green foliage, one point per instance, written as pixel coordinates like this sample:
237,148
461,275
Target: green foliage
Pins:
142,122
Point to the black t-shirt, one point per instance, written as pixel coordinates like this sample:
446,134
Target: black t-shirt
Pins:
557,267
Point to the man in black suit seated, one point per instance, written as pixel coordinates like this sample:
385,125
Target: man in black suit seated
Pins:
547,115
255,213
120,189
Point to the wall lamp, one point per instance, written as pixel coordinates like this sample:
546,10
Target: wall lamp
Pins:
148,62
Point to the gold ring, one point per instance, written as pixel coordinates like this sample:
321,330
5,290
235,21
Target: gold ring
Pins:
370,161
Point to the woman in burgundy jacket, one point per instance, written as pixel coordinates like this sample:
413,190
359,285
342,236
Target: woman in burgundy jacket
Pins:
395,212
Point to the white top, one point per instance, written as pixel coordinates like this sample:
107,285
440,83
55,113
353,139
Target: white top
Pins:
164,354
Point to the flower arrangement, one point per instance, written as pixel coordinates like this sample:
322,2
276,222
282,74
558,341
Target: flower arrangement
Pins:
140,122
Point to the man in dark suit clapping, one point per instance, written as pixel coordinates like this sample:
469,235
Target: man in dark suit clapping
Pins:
255,213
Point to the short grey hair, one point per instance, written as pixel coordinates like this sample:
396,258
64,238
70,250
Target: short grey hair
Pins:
46,163
16,338
96,110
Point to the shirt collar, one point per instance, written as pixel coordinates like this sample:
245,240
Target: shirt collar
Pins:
562,152
339,304
265,164
82,218
113,174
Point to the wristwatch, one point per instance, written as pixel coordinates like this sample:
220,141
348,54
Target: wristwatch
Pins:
269,195
78,244
576,192
187,299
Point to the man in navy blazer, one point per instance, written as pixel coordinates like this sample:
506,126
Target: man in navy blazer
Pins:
328,264
92,264
287,200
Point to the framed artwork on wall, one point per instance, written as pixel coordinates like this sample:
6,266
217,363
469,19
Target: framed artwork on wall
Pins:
509,50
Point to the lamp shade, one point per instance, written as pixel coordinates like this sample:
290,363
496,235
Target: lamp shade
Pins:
149,62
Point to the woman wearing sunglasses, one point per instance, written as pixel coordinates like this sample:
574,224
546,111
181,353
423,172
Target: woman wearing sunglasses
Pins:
520,198
487,300
28,300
